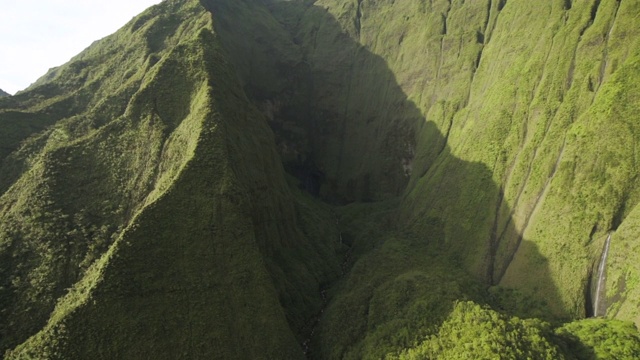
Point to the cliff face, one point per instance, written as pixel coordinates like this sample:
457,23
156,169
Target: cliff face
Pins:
550,120
508,124
501,123
165,193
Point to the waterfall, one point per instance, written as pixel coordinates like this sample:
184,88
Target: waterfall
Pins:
601,290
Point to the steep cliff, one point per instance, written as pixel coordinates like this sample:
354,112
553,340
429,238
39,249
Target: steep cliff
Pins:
506,127
341,179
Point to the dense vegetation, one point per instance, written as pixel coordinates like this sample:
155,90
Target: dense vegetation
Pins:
332,179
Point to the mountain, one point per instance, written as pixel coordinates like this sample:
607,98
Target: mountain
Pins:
4,94
329,179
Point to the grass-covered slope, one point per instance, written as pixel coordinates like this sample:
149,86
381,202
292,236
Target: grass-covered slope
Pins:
145,212
4,93
70,190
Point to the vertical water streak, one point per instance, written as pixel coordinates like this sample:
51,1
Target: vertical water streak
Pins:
600,287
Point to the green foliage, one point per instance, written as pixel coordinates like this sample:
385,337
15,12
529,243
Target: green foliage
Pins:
473,332
145,210
397,291
514,302
602,339
101,210
70,190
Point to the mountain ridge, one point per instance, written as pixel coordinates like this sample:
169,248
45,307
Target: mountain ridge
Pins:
342,175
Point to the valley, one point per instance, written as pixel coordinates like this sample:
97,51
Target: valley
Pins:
328,179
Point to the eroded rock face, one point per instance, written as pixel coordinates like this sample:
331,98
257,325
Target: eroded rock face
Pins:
177,189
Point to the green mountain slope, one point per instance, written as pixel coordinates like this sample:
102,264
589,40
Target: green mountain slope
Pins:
85,199
3,93
466,108
547,129
359,179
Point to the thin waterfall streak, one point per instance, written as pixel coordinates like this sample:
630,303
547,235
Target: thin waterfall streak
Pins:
601,276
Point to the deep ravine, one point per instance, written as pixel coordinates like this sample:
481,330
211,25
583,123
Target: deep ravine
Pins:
312,326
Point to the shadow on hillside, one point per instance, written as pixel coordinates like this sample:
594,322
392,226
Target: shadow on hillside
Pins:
347,131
